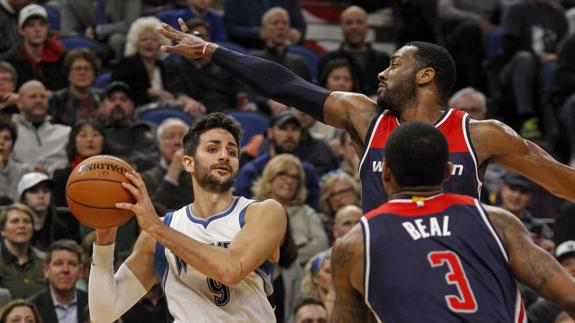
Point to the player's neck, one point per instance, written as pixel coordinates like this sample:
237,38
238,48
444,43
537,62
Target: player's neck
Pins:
207,204
415,191
422,108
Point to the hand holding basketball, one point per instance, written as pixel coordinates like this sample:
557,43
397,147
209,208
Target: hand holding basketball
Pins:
143,208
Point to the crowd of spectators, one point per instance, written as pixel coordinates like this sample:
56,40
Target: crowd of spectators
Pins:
515,62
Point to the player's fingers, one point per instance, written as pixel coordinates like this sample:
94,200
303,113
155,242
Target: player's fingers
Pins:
169,32
125,206
183,27
132,189
137,181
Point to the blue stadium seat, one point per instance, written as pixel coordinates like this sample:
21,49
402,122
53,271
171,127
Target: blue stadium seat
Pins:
253,123
102,80
547,77
310,56
160,114
71,42
233,46
494,43
169,17
53,18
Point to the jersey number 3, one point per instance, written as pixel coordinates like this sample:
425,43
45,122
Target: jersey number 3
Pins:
464,302
221,292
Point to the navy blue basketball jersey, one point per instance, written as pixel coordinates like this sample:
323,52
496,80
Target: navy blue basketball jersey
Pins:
437,259
455,127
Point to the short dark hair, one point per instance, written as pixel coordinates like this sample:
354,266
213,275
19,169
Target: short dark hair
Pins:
307,301
332,65
84,53
210,121
193,23
64,245
417,154
7,124
71,149
438,58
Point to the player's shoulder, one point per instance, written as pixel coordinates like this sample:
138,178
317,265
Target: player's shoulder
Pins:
488,126
263,206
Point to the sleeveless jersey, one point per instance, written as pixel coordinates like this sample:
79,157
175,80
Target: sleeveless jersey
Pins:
454,125
437,259
191,295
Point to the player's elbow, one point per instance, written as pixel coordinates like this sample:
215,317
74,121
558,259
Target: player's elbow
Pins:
230,275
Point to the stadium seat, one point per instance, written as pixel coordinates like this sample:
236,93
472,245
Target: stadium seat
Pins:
102,80
71,42
233,46
158,115
253,123
53,18
310,56
169,17
494,44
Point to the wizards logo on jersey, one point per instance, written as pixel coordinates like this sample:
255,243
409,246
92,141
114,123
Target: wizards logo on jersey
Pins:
454,125
183,266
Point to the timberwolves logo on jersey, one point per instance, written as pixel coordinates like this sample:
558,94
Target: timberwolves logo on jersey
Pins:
183,266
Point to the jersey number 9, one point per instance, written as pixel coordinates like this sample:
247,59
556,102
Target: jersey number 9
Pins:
221,292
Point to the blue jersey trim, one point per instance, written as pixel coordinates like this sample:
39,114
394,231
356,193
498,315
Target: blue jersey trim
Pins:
242,216
160,261
205,223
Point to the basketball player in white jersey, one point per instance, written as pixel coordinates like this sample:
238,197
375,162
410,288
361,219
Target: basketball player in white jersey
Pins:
213,257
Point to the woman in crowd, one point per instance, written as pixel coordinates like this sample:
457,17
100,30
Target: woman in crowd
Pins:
10,170
142,68
19,310
80,99
20,263
317,279
86,140
337,190
283,180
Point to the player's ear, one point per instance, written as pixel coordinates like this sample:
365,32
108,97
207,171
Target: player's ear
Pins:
448,170
188,163
425,75
386,173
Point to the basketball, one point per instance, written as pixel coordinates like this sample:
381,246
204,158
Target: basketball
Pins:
93,188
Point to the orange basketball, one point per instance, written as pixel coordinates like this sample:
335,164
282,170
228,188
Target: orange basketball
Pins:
93,188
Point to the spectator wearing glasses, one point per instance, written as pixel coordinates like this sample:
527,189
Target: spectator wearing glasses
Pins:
283,180
80,100
336,191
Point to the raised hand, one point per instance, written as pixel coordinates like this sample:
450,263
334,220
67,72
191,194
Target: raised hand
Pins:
143,208
188,45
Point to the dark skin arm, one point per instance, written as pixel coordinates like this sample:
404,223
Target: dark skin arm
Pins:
347,271
498,143
530,264
352,112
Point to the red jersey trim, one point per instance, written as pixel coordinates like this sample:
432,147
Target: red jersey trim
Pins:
427,206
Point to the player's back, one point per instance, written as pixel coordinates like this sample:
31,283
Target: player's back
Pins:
191,295
454,125
437,259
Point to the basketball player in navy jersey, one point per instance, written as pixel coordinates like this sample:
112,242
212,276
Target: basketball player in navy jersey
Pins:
429,256
415,86
214,257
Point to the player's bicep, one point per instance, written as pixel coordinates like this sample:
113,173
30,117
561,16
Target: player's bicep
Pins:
264,228
347,271
141,260
352,112
530,264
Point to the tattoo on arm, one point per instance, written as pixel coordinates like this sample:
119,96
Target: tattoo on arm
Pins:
354,135
538,264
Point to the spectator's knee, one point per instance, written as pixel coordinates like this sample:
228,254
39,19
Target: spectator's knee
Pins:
525,58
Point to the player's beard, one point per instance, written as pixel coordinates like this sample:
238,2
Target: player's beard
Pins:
210,182
395,98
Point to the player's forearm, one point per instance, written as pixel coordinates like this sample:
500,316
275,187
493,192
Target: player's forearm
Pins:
215,262
274,80
110,295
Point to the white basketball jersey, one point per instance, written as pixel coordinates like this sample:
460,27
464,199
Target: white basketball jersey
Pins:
191,295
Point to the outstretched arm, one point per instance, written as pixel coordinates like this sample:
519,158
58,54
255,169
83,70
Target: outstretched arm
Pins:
347,271
496,142
258,240
532,265
349,111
